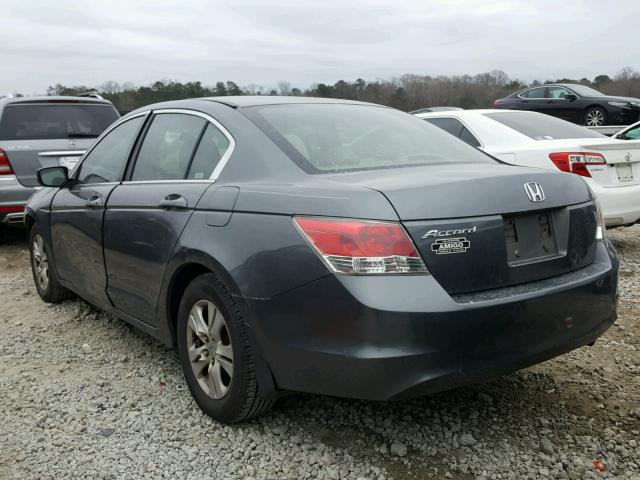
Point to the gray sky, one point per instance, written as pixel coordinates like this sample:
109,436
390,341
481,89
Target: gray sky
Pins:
262,42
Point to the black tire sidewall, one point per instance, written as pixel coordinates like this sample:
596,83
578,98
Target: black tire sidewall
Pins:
231,406
44,294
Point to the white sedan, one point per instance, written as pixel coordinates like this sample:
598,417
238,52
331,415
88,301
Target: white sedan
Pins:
611,167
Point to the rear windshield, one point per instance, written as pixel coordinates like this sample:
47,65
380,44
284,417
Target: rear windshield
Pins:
47,121
325,138
541,127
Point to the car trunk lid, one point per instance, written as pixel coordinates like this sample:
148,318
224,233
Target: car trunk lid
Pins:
26,157
476,227
623,163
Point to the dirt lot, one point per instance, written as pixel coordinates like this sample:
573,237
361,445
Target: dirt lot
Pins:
83,395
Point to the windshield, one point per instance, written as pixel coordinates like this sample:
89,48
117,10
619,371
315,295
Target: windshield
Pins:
541,127
340,137
24,121
585,91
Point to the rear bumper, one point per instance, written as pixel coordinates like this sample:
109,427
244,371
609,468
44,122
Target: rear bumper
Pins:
13,194
384,338
621,205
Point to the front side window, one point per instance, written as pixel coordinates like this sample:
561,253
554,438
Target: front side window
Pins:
167,147
108,159
37,121
533,93
344,137
541,127
557,92
213,145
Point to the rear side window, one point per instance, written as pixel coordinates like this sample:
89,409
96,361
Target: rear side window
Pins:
533,93
168,146
24,121
456,128
212,147
541,127
107,161
449,125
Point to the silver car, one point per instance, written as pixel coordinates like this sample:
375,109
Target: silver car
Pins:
40,132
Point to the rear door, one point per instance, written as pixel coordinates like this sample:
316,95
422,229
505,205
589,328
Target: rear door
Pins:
532,100
146,214
77,212
43,134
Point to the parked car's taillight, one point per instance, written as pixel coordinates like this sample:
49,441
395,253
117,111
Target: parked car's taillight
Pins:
361,246
5,166
577,162
600,223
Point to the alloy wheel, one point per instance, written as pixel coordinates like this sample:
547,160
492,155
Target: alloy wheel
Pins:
595,118
40,262
209,348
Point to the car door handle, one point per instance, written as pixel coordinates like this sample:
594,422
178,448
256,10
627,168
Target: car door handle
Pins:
173,201
95,202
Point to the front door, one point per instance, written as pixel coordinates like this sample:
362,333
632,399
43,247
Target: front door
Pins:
146,214
77,213
560,106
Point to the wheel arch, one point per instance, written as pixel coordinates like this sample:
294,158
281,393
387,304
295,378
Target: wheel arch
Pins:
29,222
595,105
181,276
179,279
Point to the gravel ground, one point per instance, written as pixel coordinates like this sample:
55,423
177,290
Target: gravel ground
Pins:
84,395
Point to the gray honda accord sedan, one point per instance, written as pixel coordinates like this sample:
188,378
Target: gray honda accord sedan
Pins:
324,246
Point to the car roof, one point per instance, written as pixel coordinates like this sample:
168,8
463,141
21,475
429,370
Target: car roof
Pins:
567,85
53,99
465,113
256,100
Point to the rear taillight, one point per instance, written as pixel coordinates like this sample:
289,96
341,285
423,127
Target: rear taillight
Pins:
361,246
577,162
496,103
11,208
5,166
600,223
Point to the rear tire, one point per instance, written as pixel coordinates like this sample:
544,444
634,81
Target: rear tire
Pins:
44,277
215,353
595,117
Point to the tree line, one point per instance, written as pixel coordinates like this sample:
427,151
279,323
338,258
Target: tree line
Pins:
407,92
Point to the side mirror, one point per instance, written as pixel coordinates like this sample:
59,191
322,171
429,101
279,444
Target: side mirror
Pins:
570,96
53,176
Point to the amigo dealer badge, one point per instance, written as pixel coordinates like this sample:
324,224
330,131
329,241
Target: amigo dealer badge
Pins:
451,245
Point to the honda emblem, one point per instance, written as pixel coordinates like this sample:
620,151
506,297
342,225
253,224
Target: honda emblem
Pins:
534,192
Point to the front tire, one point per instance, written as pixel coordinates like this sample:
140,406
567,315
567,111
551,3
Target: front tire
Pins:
215,353
595,117
44,277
